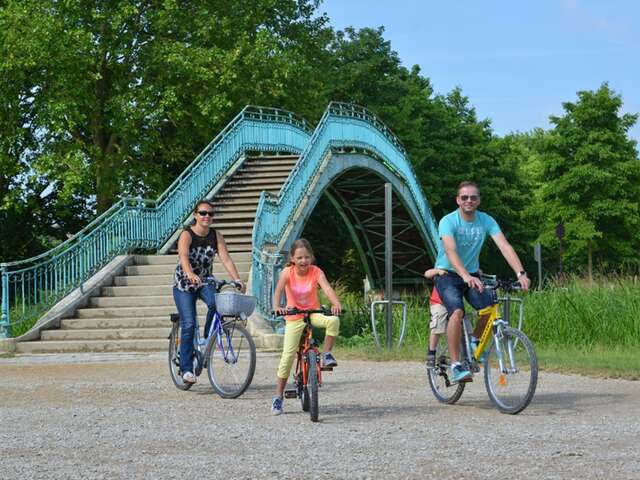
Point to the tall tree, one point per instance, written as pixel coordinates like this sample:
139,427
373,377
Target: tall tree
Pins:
591,181
120,96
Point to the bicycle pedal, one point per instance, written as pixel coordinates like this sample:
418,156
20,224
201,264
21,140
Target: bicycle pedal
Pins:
290,394
466,380
326,369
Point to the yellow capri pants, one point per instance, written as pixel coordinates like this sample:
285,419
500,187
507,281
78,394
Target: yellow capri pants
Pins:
292,332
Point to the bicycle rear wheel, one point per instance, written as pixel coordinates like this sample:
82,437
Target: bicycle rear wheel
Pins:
312,385
440,376
232,361
174,358
512,388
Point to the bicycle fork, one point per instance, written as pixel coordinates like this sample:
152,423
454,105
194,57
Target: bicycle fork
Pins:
499,326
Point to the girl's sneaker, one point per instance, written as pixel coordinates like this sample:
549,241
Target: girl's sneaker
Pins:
276,406
329,360
189,377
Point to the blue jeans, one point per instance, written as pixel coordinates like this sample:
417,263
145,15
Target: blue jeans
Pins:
186,304
452,289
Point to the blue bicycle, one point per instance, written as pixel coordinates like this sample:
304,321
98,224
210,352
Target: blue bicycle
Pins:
228,353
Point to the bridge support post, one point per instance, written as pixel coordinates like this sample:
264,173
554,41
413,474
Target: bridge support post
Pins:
5,326
388,261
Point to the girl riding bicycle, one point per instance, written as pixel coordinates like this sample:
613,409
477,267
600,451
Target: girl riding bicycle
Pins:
197,247
300,280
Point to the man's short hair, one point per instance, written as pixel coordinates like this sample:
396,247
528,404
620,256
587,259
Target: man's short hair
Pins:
468,183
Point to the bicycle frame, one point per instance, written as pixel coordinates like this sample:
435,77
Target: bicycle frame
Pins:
494,326
215,333
307,343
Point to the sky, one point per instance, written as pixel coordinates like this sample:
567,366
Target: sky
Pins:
517,61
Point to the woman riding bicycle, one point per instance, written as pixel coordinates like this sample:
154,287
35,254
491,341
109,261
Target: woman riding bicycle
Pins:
300,280
197,247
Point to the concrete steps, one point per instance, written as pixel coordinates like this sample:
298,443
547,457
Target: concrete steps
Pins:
132,314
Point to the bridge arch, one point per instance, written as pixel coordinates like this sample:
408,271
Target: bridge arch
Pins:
354,184
348,143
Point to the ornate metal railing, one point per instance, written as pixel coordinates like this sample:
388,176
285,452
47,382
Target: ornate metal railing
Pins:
342,126
29,287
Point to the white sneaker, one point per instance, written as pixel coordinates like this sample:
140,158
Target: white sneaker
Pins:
189,377
276,406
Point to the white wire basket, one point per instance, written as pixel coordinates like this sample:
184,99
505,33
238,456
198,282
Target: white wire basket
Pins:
235,304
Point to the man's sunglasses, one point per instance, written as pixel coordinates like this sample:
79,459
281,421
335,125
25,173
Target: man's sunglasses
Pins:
473,198
204,213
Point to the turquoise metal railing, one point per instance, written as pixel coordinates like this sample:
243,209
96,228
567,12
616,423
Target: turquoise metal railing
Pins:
341,126
30,286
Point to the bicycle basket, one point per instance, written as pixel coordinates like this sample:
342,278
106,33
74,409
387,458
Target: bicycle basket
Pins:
235,304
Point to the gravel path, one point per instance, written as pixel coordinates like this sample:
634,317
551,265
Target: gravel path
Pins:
119,416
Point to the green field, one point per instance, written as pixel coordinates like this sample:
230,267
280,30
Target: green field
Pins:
575,327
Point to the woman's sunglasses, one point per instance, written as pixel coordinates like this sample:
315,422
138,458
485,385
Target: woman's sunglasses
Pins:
204,213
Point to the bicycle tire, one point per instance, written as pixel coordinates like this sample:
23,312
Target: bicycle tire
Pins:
438,377
174,359
312,385
303,393
232,361
512,391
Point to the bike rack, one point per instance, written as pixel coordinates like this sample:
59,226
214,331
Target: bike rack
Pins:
373,319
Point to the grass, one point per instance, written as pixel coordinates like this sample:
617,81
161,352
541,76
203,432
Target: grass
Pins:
596,361
576,327
572,313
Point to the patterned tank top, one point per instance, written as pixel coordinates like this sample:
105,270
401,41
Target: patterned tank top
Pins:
201,254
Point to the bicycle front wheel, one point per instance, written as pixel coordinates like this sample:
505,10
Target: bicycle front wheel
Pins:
174,358
440,376
232,361
511,371
303,393
312,385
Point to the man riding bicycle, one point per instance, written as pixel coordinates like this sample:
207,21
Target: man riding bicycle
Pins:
462,233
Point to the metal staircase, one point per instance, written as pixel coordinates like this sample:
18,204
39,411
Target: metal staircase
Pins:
133,313
236,203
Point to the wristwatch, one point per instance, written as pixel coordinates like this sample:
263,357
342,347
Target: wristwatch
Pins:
520,274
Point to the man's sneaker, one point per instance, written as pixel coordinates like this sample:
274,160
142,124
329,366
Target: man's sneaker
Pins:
431,361
328,360
460,374
189,377
276,406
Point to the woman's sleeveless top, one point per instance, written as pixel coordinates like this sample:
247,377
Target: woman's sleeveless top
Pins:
201,254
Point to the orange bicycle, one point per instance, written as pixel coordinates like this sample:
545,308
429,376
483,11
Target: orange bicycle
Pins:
307,377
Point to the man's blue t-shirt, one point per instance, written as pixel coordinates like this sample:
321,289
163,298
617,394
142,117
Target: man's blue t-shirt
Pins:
469,237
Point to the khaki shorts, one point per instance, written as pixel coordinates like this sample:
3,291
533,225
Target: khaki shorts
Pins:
439,316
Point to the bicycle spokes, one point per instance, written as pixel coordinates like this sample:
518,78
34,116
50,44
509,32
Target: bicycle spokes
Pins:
511,371
232,361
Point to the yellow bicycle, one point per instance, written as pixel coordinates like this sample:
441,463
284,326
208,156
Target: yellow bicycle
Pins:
510,362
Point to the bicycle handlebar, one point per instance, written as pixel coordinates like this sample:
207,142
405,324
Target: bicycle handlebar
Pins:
296,311
218,284
499,283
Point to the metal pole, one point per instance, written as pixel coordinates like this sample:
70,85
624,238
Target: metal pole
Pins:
5,326
388,261
537,255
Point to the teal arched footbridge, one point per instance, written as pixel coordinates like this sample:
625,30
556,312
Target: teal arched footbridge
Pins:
266,172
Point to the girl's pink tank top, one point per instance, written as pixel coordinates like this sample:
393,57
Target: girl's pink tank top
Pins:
302,291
